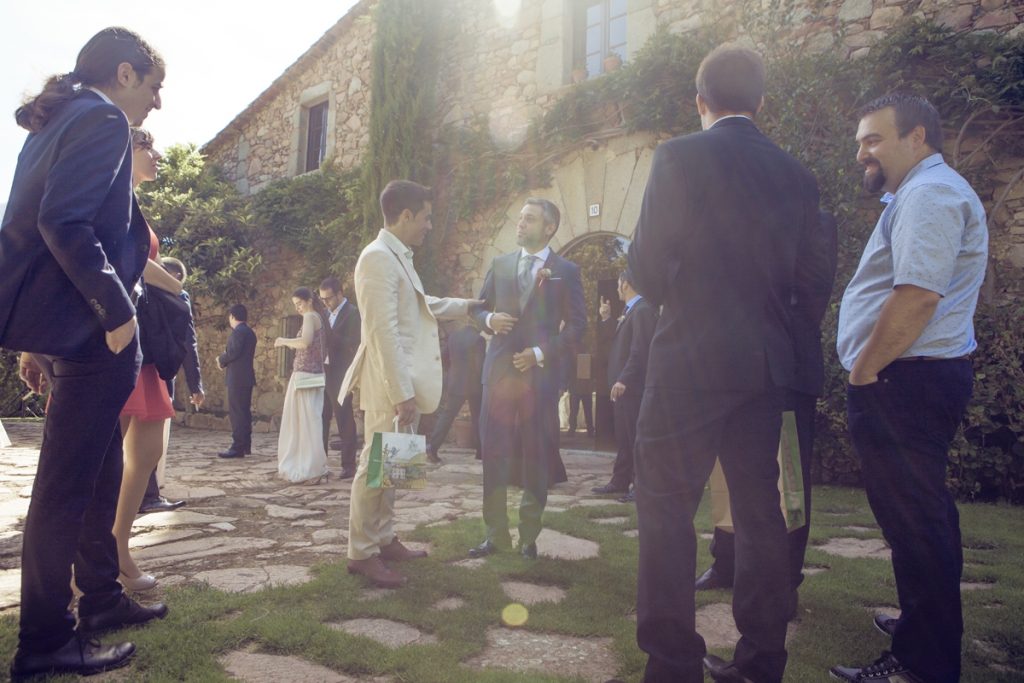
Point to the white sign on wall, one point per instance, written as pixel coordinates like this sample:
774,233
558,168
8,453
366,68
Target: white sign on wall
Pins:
595,210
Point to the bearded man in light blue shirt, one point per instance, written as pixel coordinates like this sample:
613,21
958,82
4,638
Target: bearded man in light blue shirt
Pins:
905,332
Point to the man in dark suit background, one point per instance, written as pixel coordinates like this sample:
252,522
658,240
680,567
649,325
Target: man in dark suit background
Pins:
627,370
581,393
239,378
463,360
73,245
527,295
342,343
727,239
801,397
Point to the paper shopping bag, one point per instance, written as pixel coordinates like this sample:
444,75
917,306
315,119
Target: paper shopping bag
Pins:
791,483
398,460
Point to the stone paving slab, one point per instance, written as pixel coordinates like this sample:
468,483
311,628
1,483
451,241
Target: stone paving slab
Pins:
252,579
857,547
550,653
391,634
716,624
250,667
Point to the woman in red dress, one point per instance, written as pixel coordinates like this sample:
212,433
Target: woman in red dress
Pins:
142,419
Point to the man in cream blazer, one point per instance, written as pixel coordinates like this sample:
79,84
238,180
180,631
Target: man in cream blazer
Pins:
397,367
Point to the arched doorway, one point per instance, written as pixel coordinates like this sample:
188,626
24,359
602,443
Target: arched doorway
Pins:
601,257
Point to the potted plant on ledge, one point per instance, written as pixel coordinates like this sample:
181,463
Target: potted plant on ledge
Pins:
579,72
612,62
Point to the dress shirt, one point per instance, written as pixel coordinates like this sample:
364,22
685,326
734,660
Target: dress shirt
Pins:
629,305
333,317
101,94
541,257
730,116
932,235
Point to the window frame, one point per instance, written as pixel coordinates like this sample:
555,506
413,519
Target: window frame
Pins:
580,28
310,162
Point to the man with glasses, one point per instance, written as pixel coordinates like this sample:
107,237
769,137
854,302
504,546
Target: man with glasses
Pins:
342,342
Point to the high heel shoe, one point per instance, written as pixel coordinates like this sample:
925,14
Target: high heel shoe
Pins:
325,477
143,583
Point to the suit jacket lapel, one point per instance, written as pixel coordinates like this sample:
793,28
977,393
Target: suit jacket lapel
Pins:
413,276
505,268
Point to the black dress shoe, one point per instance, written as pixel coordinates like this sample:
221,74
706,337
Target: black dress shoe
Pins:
347,473
232,454
529,551
629,497
723,671
432,457
610,488
484,549
247,450
79,655
886,669
712,580
159,504
886,624
126,613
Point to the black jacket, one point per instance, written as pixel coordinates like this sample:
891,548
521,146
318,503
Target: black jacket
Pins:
809,375
729,243
630,346
559,298
463,359
237,358
343,341
73,242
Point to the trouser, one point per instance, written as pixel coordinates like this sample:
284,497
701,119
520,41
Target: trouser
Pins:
342,413
371,509
504,403
74,496
679,435
588,410
723,547
447,417
626,409
901,428
240,414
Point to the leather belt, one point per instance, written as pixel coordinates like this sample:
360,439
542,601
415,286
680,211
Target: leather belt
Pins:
913,358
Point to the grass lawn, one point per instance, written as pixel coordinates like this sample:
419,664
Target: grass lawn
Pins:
836,606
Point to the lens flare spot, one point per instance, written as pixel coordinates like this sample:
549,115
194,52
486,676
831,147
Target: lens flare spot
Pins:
515,615
507,12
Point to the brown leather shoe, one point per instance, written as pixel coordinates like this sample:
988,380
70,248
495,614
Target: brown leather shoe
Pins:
374,569
396,552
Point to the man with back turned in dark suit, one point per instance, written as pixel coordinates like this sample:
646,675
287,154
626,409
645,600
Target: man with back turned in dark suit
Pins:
73,245
727,238
342,344
527,295
239,378
627,370
463,360
802,398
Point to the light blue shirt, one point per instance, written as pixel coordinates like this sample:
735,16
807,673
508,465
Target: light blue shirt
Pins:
932,235
629,304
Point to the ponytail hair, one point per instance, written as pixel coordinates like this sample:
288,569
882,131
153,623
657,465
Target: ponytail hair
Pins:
97,65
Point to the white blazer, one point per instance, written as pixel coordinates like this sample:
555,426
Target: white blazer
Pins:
399,355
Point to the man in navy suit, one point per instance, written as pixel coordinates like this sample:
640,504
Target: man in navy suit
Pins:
802,398
527,296
239,378
342,343
73,245
463,359
728,239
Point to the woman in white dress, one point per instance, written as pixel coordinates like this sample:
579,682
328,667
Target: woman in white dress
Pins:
300,447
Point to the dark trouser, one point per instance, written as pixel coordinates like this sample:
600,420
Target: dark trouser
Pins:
342,413
538,419
901,427
240,413
678,437
627,413
588,410
722,545
74,496
447,417
152,488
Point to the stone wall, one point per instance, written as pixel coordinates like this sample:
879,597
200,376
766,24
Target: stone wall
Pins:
508,69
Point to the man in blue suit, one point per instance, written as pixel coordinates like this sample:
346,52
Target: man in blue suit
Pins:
73,245
527,295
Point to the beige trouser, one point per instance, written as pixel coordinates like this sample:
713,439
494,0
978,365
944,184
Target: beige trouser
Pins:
371,510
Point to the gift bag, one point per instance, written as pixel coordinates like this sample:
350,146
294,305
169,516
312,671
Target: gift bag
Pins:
791,483
398,460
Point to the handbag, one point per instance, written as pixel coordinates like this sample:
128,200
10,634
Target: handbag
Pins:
398,460
164,321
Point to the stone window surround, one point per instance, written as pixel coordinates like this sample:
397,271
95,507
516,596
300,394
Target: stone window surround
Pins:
554,58
310,97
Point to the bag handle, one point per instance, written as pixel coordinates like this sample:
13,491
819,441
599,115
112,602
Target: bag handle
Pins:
407,429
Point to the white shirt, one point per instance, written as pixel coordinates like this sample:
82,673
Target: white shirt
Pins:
333,317
540,259
730,116
101,94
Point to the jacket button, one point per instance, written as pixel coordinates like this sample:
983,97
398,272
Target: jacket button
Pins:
437,357
143,247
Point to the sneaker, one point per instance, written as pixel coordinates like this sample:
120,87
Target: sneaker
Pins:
886,669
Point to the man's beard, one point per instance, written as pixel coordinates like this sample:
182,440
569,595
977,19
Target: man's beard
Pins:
873,182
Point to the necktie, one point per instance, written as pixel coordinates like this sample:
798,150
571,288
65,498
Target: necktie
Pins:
526,273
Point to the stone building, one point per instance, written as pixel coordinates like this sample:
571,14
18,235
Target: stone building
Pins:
510,60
